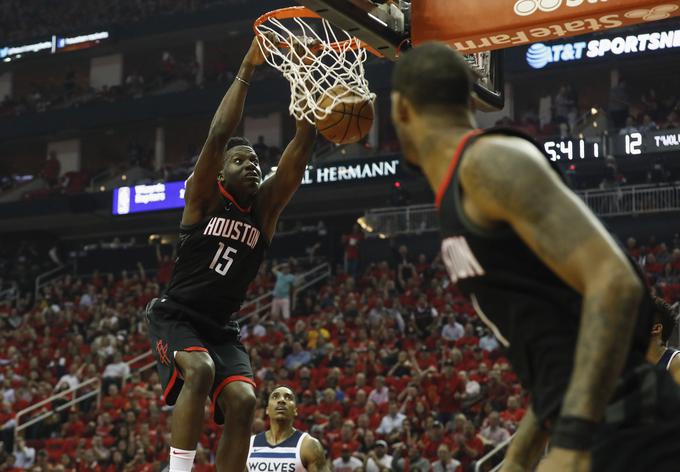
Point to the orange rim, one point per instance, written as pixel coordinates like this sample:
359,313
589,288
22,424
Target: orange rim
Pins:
304,12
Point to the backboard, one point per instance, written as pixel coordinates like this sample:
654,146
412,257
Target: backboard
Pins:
387,26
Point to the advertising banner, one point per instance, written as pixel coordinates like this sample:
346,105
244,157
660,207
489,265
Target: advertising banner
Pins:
170,195
474,26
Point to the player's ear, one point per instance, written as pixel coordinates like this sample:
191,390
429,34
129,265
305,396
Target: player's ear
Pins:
657,329
401,108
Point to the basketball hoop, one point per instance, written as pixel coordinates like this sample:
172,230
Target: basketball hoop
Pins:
315,57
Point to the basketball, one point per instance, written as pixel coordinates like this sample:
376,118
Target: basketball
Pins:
349,120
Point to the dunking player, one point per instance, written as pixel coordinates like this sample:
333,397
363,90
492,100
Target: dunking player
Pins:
659,353
229,218
282,448
544,275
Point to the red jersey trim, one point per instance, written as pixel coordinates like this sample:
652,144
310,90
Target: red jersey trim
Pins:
227,381
195,348
171,384
176,373
452,166
228,196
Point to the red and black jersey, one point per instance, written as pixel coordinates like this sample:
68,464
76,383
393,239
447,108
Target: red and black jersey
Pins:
532,312
217,259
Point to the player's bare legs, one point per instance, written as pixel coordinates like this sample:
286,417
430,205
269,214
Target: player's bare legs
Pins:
198,371
237,401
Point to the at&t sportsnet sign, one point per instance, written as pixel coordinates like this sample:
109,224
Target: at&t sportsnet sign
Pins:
539,55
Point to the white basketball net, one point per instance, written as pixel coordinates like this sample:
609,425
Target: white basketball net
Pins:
312,72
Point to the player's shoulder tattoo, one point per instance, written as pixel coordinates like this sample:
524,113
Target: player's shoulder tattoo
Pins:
314,455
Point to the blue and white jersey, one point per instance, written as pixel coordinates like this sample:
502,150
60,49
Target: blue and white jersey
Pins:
284,457
667,357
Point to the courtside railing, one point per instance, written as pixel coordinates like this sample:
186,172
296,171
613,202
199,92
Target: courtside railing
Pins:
44,409
9,295
382,222
259,305
92,387
87,389
626,200
496,454
50,276
262,304
633,199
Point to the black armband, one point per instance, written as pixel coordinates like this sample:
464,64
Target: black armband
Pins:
575,433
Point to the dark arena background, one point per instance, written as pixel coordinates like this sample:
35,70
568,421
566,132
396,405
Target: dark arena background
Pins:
104,108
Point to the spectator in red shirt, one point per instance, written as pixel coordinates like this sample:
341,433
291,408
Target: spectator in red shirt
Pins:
332,428
307,406
432,439
329,404
74,427
468,445
513,413
352,243
496,390
651,264
347,439
450,394
51,170
469,339
675,259
359,384
358,406
373,414
113,401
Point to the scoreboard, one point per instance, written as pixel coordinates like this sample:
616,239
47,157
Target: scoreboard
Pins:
574,149
625,145
635,144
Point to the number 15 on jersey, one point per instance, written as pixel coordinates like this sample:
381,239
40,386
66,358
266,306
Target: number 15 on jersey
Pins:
222,260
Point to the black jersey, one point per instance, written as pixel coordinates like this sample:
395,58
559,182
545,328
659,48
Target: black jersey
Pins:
532,312
217,259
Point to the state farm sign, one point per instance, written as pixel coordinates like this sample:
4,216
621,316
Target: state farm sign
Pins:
475,26
528,7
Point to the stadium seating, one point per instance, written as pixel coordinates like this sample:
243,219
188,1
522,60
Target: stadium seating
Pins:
358,332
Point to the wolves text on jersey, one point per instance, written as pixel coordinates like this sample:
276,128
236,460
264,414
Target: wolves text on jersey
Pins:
460,262
233,229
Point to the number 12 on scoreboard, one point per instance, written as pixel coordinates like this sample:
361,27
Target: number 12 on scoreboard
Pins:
633,143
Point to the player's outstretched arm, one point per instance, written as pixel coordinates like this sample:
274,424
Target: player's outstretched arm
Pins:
277,190
201,183
508,180
527,445
313,456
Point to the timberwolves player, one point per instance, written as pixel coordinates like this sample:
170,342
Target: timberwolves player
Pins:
228,221
283,448
543,274
659,353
